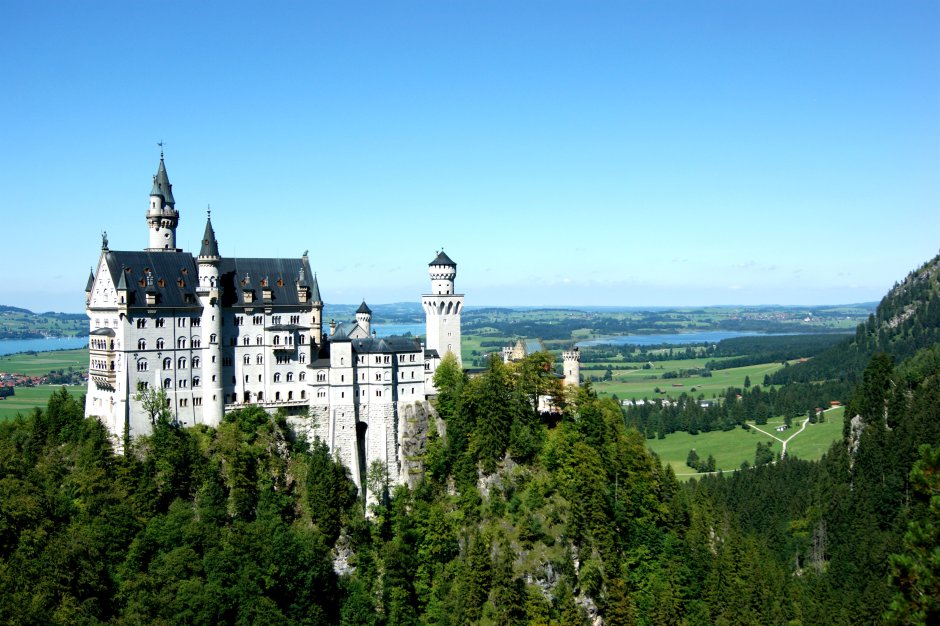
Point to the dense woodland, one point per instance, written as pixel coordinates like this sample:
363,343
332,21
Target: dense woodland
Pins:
521,518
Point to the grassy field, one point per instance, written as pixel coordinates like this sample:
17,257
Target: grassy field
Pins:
731,448
28,397
638,383
39,363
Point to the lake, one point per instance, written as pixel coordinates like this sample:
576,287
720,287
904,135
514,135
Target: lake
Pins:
388,330
12,346
705,336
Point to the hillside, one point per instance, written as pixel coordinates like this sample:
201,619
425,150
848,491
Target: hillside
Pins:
17,323
907,319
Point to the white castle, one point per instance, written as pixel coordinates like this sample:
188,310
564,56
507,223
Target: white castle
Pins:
220,333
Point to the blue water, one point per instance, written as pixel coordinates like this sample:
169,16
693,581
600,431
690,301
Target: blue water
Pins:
12,346
706,336
388,330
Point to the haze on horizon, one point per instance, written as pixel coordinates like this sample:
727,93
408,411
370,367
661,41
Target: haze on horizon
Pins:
617,154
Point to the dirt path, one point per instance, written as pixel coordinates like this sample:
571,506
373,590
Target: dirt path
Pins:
783,450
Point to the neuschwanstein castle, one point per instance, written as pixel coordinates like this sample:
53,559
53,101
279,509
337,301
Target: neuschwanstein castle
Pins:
220,333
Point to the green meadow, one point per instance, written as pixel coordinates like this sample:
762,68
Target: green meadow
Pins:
39,363
28,397
733,447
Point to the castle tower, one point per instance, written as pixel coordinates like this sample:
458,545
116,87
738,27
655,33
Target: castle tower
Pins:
442,307
364,317
572,365
162,217
209,293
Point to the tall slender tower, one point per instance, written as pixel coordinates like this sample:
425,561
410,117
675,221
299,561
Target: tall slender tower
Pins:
209,292
572,361
442,307
162,217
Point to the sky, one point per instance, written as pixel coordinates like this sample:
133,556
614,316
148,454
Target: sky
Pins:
576,153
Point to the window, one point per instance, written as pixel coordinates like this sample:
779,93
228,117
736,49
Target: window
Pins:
302,340
160,323
277,340
184,401
141,323
303,357
378,392
181,343
246,340
142,385
141,344
213,338
166,383
259,341
167,363
246,360
276,319
196,361
302,376
181,322
303,394
239,320
195,321
181,383
259,359
281,359
197,342
227,361
257,320
142,365
196,381
160,343
290,377
181,363
378,377
197,401
321,377
277,396
294,319
277,377
321,393
290,396
260,396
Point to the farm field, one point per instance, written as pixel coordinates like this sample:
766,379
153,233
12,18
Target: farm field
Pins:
733,447
28,397
637,384
39,363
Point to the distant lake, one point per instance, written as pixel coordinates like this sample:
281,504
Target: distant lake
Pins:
705,336
12,346
388,330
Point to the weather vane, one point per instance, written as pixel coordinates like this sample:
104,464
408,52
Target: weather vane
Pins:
161,144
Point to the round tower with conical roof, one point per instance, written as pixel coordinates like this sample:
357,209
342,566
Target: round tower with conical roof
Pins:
442,308
162,217
364,317
209,292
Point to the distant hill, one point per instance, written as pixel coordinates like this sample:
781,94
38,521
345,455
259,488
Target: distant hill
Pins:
19,323
906,320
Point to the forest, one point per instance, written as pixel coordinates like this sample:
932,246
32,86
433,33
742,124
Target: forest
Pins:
521,517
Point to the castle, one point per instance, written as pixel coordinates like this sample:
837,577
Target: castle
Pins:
219,333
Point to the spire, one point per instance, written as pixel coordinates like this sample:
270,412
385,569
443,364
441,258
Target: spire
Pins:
442,259
161,184
122,281
315,291
91,280
364,308
210,247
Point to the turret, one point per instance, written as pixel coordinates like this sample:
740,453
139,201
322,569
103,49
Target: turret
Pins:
572,366
162,217
364,317
210,297
442,307
89,286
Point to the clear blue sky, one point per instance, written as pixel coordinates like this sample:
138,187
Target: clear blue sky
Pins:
563,153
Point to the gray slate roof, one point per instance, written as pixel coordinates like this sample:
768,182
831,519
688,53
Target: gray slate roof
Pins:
315,291
210,247
162,186
174,277
442,259
364,308
280,274
91,281
386,345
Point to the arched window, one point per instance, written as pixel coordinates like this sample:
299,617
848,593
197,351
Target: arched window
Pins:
213,338
303,357
277,377
166,383
246,360
259,359
302,376
197,342
141,344
277,340
303,394
302,339
259,341
181,343
160,343
181,363
142,365
167,363
196,361
290,377
260,396
246,341
277,396
290,395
